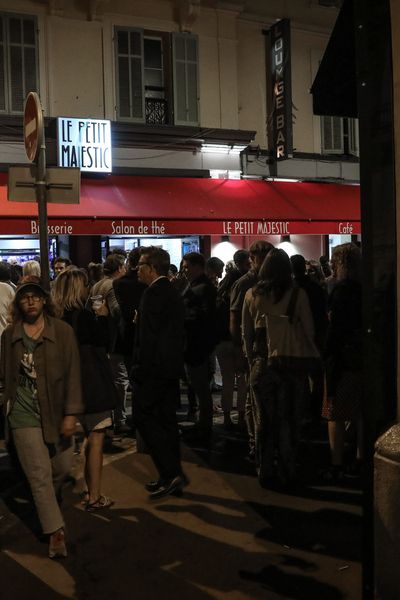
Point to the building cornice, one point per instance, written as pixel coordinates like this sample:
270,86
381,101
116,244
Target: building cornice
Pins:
132,135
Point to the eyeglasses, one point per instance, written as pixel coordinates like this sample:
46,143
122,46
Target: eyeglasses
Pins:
26,298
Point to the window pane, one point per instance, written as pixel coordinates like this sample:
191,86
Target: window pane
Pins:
2,82
15,31
29,32
152,54
123,89
136,46
337,133
30,69
181,92
122,42
136,72
17,91
191,49
192,92
327,132
153,77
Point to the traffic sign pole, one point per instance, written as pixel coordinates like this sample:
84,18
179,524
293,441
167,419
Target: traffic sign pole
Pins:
42,210
36,152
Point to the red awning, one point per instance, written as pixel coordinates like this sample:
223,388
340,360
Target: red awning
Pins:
163,205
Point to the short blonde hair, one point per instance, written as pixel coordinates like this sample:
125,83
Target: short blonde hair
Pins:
31,268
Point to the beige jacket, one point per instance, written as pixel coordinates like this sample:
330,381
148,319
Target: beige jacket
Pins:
255,307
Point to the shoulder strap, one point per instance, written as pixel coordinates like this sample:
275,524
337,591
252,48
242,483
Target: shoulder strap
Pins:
292,303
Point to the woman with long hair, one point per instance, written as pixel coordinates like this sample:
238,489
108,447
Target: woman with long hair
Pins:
343,356
70,294
277,393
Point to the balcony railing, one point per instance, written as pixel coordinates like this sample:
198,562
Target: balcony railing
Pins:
156,111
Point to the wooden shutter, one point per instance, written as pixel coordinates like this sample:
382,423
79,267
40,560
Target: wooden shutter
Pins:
129,74
18,61
332,135
185,74
2,66
354,147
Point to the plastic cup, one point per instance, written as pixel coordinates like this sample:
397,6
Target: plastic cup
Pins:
97,301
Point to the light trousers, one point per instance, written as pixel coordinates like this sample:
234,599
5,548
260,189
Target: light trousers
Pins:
45,466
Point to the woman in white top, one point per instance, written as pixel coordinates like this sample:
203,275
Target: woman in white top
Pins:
277,394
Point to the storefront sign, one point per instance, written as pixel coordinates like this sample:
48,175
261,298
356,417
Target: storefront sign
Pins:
84,143
135,227
281,84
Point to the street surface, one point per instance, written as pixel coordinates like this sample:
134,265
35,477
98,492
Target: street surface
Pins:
225,538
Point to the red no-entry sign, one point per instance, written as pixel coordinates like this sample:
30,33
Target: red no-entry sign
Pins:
33,126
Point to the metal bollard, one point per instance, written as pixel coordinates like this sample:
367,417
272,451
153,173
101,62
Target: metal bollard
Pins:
387,514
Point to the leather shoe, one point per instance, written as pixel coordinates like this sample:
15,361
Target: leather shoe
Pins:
167,488
152,486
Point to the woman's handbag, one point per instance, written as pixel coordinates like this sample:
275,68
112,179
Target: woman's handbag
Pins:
289,347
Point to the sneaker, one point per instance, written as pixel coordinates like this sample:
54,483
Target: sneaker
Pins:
57,547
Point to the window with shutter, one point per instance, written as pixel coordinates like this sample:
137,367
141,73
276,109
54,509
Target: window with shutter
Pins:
145,79
18,61
185,69
332,135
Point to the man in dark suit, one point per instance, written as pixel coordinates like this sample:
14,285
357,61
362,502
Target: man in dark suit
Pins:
157,366
199,299
128,291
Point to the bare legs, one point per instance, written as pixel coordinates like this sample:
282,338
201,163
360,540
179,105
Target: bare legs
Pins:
336,431
94,464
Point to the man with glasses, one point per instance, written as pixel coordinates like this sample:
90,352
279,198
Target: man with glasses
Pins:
40,370
157,367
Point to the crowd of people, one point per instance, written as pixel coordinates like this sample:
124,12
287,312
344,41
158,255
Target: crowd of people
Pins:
285,332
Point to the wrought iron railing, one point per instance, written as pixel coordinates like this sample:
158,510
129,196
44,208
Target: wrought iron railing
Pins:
156,111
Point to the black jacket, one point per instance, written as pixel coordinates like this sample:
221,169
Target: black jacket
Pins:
199,300
128,292
344,337
92,334
158,350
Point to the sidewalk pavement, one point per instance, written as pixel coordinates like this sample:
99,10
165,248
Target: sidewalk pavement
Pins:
225,538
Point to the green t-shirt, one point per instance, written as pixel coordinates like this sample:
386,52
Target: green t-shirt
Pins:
26,410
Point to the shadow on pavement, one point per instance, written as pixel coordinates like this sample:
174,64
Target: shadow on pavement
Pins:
297,587
19,584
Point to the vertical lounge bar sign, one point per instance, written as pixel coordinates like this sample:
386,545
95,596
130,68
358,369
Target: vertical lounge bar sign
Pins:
281,90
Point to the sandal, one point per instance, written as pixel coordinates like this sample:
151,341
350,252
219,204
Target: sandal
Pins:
101,502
